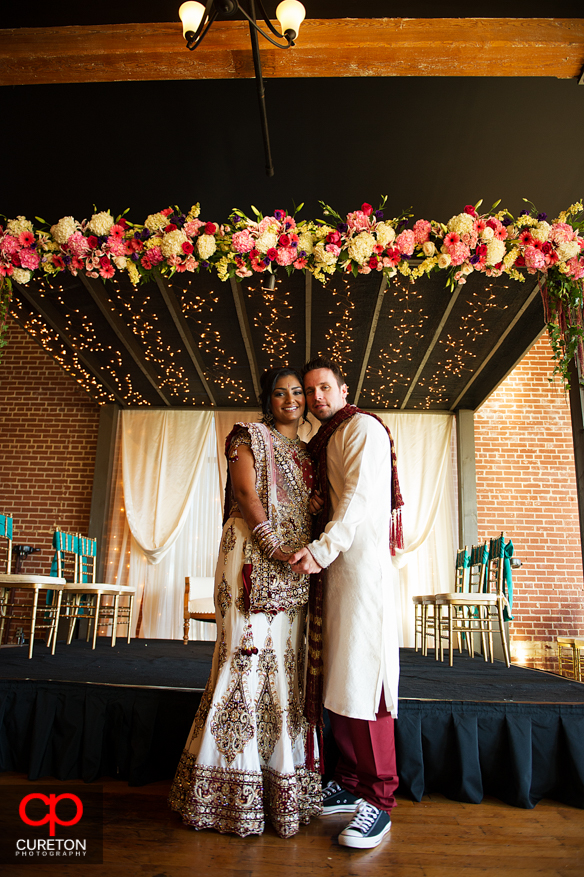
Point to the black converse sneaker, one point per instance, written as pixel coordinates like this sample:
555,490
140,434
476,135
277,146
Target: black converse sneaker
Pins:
367,828
336,800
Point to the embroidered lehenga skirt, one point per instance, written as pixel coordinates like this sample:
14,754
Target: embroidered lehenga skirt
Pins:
244,760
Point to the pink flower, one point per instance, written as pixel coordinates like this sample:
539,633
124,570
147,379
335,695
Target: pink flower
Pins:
286,255
451,239
29,259
459,253
58,262
561,233
192,227
9,245
167,211
116,246
333,238
272,254
78,244
334,249
118,230
191,263
534,259
405,242
367,209
26,239
422,229
106,269
300,263
358,221
470,210
146,263
77,264
393,256
258,265
242,241
266,222
156,256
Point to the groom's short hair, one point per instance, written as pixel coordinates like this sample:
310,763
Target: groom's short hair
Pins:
324,362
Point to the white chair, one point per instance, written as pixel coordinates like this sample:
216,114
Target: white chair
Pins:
201,608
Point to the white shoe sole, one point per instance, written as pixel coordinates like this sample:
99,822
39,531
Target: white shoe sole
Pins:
341,808
363,843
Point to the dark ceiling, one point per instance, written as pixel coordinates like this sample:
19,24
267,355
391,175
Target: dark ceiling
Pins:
432,144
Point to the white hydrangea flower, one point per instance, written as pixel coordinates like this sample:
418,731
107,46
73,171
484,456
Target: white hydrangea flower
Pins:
156,221
462,223
266,241
305,243
206,246
100,223
568,250
63,230
361,247
323,256
172,242
21,275
496,251
385,234
541,231
18,225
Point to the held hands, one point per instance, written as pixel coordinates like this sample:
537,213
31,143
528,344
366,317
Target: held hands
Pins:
302,561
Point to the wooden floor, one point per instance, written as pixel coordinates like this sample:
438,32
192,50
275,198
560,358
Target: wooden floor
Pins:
435,838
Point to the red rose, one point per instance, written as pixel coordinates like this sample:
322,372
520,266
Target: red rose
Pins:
123,223
367,209
470,210
373,262
333,238
187,248
171,227
210,228
519,261
92,241
284,240
272,254
253,254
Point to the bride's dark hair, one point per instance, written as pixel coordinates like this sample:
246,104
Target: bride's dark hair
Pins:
268,382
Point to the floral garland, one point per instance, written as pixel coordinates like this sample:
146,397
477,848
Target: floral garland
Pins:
170,241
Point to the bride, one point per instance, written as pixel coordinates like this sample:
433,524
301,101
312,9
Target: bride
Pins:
244,758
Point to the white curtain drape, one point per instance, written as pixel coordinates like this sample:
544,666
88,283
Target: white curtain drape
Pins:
424,455
176,525
162,456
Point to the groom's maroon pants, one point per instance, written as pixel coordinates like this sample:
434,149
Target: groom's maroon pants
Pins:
366,766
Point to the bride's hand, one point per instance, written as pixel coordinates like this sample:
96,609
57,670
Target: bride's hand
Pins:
282,553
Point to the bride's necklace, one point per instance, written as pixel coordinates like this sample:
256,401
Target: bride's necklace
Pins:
290,441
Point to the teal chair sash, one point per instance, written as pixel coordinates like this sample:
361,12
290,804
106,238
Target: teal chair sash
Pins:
6,526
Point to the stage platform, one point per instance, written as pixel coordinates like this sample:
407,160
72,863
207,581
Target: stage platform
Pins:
466,731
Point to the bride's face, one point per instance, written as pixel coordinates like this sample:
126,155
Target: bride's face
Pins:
287,400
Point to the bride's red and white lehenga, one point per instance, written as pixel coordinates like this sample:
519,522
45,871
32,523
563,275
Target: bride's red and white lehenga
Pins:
244,759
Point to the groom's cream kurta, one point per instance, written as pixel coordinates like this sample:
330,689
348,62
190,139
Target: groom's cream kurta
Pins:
361,652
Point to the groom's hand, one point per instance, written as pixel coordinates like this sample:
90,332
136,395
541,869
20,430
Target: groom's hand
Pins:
302,561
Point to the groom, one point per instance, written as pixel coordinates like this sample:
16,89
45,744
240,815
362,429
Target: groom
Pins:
352,603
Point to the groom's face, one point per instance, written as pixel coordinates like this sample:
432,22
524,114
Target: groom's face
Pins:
324,397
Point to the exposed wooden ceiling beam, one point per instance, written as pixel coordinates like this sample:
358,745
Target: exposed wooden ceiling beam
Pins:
180,322
125,335
54,319
432,344
535,291
370,339
239,300
332,48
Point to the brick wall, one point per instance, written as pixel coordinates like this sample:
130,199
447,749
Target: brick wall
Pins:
49,436
526,486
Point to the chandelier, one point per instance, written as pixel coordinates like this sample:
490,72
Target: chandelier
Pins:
197,19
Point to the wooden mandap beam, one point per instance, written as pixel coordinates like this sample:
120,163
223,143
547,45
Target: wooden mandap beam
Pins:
326,47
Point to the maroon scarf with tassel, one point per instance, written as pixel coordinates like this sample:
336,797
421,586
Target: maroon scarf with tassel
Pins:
314,677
